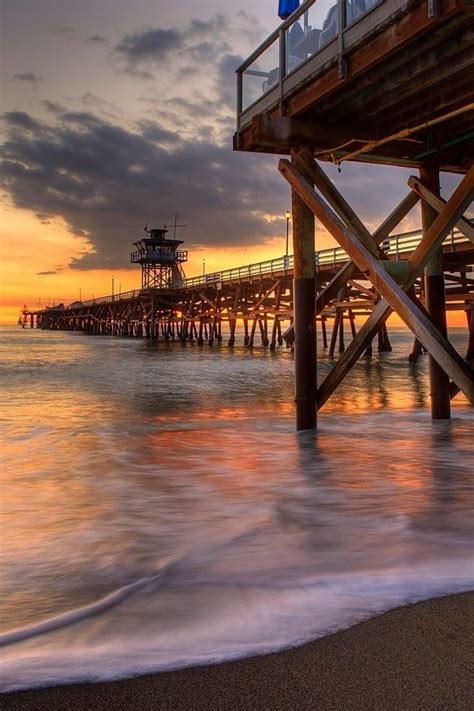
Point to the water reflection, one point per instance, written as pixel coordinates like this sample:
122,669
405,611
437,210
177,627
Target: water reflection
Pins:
119,457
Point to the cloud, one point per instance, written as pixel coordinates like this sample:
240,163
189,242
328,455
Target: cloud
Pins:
48,273
44,219
152,131
106,181
155,44
188,50
29,77
20,119
52,107
62,29
96,39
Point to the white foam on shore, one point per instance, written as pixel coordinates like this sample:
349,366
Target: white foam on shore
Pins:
72,617
213,623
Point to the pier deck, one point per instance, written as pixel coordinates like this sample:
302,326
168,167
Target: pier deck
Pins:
207,308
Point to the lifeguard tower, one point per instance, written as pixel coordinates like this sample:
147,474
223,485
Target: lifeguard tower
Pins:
160,259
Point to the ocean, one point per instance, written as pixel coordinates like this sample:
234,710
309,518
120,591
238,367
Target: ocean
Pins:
159,510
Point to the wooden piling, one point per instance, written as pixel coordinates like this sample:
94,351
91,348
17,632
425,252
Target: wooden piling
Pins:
324,332
470,346
435,300
304,305
152,319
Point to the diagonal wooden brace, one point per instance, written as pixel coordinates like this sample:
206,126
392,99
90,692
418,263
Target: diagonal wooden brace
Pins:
437,204
350,218
438,346
350,269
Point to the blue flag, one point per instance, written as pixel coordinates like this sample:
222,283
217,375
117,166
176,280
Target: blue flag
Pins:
286,7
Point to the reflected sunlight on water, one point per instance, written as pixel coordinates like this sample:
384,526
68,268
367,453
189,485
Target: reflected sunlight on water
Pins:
120,456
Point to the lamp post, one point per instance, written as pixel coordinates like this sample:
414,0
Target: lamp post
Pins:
287,217
203,267
113,284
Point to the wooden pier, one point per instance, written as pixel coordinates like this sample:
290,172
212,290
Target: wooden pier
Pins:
258,298
386,82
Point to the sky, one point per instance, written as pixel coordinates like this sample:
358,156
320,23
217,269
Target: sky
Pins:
119,113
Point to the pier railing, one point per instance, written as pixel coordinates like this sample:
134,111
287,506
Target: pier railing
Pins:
311,38
395,246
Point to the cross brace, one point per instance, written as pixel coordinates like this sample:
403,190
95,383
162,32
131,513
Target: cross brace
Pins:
354,241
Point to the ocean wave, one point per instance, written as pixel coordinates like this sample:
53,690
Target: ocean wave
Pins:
71,617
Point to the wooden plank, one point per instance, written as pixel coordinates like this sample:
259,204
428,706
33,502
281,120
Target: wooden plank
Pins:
286,132
340,205
350,269
396,298
304,297
266,295
434,297
446,220
438,203
406,30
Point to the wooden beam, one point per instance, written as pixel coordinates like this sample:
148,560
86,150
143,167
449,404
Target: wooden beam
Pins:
285,132
329,191
405,30
439,347
350,269
446,220
304,305
438,203
435,300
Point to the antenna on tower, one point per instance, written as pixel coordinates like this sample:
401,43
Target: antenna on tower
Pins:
175,227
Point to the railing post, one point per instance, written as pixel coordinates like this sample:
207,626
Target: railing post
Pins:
240,80
341,62
282,55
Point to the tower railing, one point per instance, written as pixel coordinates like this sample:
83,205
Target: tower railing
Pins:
178,256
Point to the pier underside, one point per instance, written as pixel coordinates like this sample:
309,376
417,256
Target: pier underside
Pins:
394,87
399,94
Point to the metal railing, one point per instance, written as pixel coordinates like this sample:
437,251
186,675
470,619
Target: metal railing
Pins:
312,30
159,255
395,246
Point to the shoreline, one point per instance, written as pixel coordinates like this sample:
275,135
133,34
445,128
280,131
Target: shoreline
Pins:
412,657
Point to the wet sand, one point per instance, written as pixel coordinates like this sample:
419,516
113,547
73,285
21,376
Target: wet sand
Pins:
415,657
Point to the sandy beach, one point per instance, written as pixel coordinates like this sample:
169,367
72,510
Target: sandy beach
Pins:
415,657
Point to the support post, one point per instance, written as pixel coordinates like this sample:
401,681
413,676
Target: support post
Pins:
435,300
304,305
152,319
